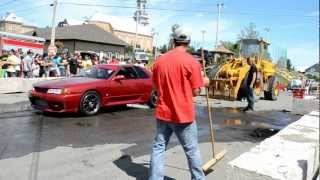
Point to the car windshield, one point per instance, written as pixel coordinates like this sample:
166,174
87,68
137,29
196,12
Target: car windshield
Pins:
98,73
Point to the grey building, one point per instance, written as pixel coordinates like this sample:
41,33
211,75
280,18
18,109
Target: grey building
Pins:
85,37
314,70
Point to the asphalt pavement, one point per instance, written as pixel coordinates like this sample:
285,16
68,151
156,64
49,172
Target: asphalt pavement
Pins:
116,144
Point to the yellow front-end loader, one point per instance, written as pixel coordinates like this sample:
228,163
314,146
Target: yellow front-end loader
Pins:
228,80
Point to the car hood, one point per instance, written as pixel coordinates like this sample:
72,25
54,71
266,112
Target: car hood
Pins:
66,82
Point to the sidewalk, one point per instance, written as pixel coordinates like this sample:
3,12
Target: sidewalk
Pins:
14,102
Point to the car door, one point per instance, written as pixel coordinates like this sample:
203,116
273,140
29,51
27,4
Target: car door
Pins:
144,83
125,90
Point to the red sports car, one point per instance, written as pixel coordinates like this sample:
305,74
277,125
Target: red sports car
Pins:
102,86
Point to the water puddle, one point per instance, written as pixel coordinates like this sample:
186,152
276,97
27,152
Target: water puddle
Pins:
260,124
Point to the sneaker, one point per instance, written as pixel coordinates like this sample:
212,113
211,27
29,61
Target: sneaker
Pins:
247,109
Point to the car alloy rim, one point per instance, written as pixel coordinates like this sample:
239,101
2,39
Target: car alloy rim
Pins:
90,103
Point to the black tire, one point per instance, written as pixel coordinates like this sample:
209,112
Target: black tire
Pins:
153,99
257,96
271,93
90,103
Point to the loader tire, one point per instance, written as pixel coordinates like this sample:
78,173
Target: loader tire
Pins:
273,91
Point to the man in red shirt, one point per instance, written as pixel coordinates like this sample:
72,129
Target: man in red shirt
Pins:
177,79
114,60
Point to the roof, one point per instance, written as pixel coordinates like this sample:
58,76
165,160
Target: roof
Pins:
315,66
12,17
85,32
222,49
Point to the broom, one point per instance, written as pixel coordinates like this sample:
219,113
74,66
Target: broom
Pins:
220,155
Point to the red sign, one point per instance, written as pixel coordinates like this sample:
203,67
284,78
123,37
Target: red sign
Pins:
26,44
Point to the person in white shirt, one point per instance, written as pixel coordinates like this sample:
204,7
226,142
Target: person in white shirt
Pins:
27,62
13,62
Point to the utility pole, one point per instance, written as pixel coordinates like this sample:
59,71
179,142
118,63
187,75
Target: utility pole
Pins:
219,5
155,35
202,46
203,33
137,15
140,17
53,29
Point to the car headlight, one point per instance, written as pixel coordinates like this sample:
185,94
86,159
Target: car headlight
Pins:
55,91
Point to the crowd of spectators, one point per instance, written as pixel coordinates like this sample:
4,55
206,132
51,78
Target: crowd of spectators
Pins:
15,63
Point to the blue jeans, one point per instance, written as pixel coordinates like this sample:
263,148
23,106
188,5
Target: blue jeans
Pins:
250,98
188,138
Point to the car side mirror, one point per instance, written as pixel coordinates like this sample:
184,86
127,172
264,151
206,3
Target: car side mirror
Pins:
119,78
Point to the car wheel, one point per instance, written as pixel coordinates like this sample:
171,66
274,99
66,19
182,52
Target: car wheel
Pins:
90,103
153,99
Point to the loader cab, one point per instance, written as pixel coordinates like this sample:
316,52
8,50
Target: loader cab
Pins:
254,48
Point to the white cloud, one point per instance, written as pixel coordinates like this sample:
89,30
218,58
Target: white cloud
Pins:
304,55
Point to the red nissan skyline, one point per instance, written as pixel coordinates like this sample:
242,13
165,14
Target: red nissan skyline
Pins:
102,86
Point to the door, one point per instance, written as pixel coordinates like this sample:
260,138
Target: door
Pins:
125,90
144,84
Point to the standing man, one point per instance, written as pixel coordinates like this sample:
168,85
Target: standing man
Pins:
12,62
73,65
250,84
114,60
27,62
177,79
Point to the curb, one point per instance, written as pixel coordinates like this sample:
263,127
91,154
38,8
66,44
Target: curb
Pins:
15,107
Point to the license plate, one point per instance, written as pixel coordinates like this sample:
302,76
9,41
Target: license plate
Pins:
40,102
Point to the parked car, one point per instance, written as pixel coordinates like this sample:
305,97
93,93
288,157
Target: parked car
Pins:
102,86
295,84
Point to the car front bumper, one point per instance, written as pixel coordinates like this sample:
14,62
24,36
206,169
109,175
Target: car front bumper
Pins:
54,102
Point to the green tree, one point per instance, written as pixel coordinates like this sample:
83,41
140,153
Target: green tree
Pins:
173,29
191,49
59,44
163,49
289,65
249,32
231,46
129,49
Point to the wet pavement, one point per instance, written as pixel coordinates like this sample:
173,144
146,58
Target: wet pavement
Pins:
116,143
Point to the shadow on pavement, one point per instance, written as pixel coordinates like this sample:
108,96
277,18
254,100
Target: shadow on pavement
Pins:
138,171
109,110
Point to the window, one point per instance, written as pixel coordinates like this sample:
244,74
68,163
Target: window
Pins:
141,73
128,73
97,73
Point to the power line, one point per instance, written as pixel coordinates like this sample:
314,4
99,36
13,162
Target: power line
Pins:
186,10
32,8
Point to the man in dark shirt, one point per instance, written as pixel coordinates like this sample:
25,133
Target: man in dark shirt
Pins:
73,65
250,84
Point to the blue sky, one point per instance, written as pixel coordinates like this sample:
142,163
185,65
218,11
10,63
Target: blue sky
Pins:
293,24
